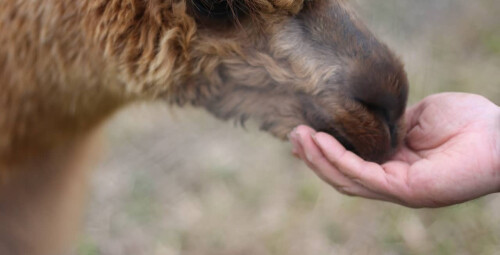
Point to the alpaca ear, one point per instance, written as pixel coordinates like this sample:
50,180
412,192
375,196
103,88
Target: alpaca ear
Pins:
219,9
212,9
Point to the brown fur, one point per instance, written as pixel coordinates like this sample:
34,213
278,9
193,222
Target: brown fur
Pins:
66,66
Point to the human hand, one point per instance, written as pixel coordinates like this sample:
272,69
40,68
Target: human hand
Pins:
451,154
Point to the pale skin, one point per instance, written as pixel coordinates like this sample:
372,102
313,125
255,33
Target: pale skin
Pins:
451,154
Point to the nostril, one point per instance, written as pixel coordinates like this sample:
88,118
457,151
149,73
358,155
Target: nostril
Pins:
392,129
393,132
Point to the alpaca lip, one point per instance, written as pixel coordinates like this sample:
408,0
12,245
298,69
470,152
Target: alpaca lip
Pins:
341,139
318,118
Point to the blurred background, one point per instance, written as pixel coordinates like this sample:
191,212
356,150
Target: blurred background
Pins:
177,181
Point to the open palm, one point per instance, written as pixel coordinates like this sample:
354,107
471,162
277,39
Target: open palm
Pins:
451,154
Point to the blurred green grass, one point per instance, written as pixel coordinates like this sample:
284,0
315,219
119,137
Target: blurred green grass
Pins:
179,182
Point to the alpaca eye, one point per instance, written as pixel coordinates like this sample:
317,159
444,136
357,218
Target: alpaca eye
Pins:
218,9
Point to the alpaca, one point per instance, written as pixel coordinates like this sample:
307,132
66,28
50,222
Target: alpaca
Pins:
66,66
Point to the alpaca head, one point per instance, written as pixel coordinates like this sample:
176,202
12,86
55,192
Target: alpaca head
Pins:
290,62
280,62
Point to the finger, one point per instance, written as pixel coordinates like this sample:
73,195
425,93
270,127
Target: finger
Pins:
368,174
413,113
417,125
327,172
295,139
295,145
406,155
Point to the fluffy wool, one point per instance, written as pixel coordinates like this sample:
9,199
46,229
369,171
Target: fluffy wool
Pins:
66,66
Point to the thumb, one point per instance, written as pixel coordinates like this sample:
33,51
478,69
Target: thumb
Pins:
427,127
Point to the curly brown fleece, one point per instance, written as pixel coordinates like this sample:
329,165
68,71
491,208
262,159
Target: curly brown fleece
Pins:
66,66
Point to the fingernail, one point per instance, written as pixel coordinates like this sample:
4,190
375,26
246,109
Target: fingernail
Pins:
292,134
313,137
315,140
309,157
